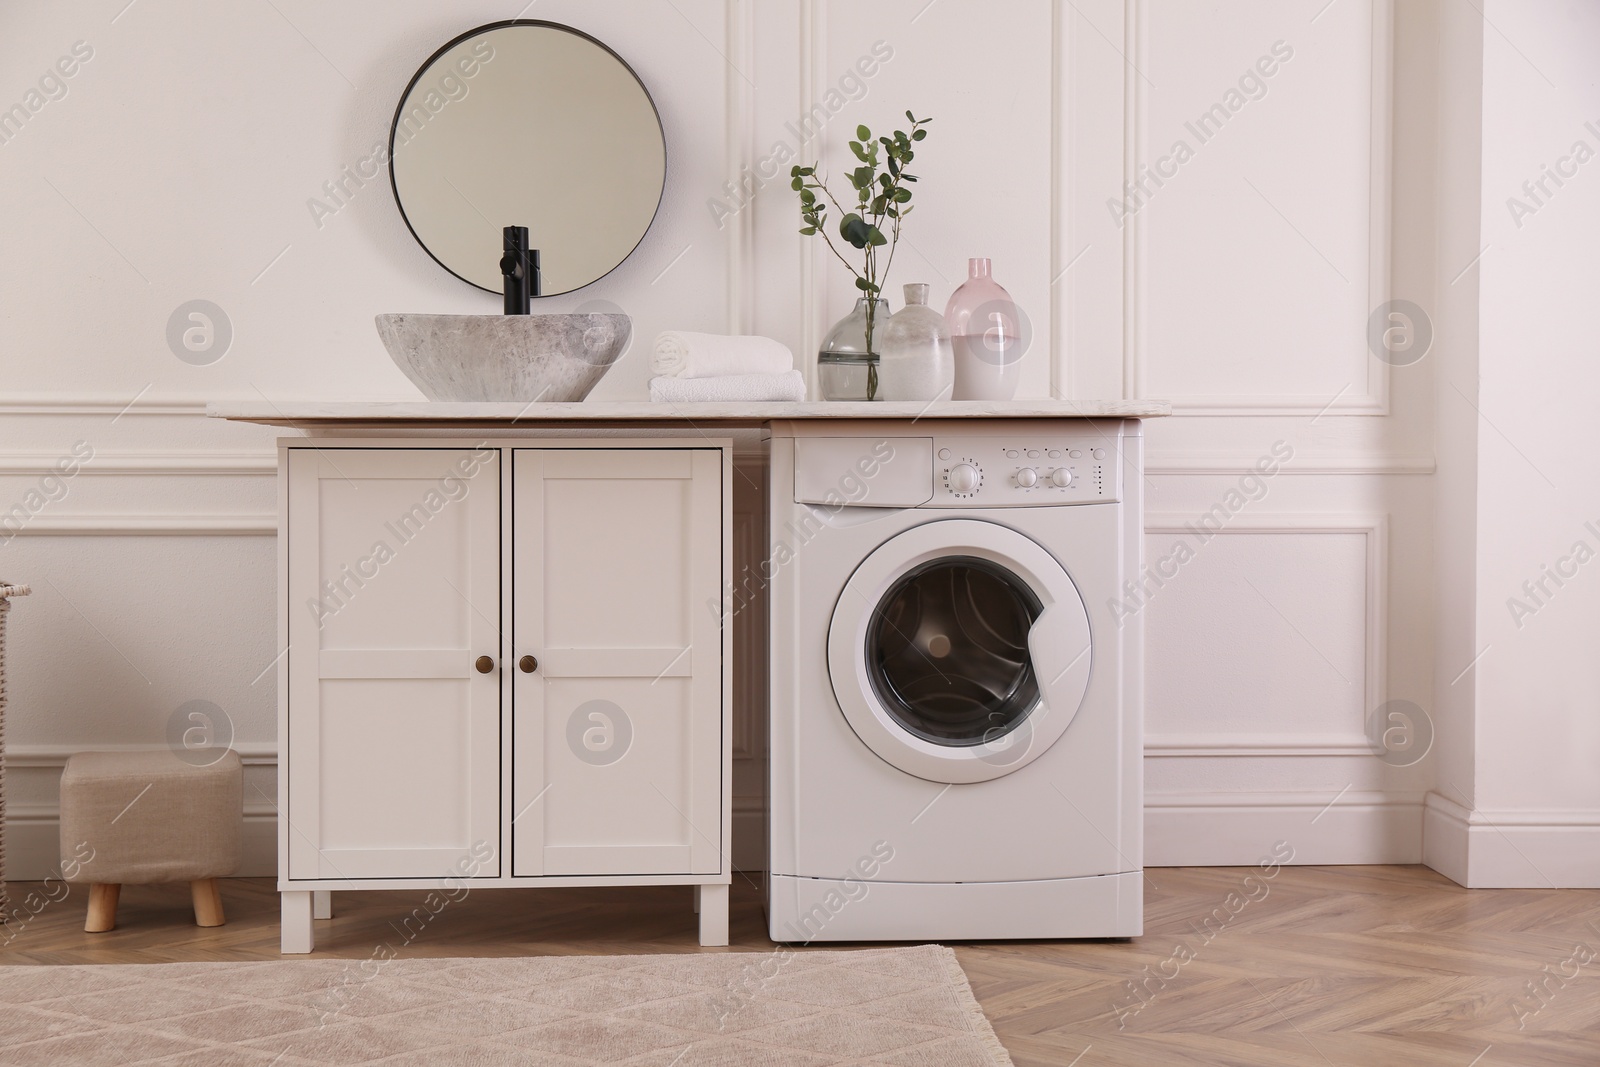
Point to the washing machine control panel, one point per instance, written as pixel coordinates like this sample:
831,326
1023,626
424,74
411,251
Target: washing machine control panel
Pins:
1024,471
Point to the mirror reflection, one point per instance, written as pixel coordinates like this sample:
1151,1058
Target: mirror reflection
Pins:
528,123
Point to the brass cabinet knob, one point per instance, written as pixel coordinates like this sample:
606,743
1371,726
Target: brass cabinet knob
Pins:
527,664
485,664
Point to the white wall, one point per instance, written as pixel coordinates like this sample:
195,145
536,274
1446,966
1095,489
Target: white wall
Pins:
1528,812
180,163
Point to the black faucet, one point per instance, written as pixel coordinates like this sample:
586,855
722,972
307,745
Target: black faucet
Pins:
520,268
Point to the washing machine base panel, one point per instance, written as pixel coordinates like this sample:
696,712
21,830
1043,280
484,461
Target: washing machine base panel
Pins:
804,910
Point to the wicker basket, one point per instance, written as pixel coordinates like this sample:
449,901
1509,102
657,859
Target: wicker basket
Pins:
6,593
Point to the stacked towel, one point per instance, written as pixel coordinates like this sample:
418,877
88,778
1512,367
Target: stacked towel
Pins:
729,388
682,354
710,368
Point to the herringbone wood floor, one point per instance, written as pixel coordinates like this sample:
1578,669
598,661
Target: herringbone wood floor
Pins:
1330,966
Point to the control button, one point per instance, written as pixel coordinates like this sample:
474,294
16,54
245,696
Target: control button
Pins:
1099,453
1027,477
1055,453
1033,453
1061,477
1011,453
944,453
964,478
1077,454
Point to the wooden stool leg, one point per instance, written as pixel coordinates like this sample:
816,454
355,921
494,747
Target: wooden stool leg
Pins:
207,902
102,908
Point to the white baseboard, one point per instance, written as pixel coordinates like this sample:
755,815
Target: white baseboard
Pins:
1512,849
1239,829
1480,850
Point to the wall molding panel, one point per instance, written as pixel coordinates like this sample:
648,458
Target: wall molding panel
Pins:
67,403
168,463
1374,528
175,524
1185,461
54,757
1367,393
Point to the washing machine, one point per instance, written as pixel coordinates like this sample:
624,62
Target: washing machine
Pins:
955,699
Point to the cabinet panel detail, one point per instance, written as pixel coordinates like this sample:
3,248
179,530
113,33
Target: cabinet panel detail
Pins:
617,735
393,592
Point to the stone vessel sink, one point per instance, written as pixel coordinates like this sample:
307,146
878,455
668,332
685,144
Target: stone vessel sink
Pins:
546,358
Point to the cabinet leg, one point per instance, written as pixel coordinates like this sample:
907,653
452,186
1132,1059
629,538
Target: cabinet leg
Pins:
696,899
713,915
298,933
322,904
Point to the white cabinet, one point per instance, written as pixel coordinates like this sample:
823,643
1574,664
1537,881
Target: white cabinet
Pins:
615,737
393,741
506,663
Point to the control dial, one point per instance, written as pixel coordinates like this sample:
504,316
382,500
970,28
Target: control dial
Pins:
1027,477
1061,477
964,478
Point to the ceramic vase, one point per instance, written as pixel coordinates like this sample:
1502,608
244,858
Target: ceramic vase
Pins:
916,361
847,364
986,334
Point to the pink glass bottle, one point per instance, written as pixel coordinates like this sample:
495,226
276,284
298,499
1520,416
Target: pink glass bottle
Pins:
986,331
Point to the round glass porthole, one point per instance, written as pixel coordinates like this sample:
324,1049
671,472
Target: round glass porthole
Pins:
947,651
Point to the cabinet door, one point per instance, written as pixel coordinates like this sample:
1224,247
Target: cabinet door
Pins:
394,591
617,736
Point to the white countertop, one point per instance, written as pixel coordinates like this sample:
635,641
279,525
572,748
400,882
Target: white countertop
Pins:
299,412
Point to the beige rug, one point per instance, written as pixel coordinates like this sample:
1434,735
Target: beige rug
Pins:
902,1007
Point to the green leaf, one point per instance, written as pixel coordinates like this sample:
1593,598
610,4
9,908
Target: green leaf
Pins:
796,184
876,237
861,153
894,166
878,203
809,230
910,117
863,133
918,135
807,196
908,177
902,195
864,285
856,230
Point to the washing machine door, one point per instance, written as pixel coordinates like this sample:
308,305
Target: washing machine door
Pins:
959,651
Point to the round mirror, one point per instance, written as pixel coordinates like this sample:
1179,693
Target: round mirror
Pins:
527,123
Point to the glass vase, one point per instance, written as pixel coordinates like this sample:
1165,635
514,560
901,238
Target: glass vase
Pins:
847,362
915,360
986,332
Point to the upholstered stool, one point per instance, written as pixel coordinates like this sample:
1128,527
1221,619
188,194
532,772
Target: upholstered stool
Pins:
142,817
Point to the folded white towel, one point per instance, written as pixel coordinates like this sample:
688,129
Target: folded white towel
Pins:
682,354
729,388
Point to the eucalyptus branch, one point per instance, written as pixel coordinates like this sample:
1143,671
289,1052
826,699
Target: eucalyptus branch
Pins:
882,199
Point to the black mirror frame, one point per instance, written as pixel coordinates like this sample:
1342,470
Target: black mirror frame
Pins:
400,108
